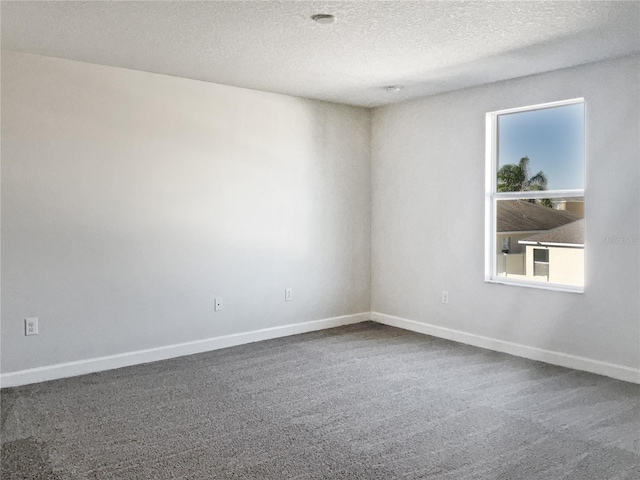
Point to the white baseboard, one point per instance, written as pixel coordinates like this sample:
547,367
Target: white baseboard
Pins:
99,364
619,372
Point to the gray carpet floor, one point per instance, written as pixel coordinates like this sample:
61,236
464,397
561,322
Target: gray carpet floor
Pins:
359,402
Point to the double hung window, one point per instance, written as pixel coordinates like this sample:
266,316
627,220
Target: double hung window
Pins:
534,212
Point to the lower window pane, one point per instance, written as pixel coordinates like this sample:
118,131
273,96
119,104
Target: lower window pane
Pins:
541,240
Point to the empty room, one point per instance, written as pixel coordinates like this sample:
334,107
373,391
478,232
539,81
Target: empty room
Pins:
320,240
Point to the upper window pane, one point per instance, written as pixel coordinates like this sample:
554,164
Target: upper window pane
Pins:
541,149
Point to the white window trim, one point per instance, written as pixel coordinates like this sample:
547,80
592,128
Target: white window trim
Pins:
492,196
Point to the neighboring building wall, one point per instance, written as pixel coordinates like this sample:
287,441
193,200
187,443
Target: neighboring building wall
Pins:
577,208
566,264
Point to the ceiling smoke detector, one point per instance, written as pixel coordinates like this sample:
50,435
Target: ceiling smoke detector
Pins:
323,18
393,88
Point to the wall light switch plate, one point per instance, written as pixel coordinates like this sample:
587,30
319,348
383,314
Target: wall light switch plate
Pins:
288,294
217,304
31,326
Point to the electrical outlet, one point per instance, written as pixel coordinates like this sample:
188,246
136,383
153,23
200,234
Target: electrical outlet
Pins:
445,296
288,294
31,326
217,304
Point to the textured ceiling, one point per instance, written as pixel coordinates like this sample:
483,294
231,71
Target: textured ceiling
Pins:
429,47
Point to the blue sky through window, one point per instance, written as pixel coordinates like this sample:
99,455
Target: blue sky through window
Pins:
552,138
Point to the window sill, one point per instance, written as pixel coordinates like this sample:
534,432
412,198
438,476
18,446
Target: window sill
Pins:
558,287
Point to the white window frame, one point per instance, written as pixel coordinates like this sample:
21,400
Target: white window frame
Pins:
492,196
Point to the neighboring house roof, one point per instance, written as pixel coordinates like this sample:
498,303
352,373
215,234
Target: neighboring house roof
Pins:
570,235
523,216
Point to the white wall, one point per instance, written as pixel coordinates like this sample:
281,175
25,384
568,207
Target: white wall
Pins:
130,200
428,161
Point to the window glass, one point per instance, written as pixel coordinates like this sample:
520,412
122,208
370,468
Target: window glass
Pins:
540,255
540,243
543,147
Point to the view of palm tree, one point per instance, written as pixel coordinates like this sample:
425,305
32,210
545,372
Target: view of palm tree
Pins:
517,178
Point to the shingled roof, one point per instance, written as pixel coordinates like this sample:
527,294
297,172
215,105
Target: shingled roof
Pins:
569,234
523,216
